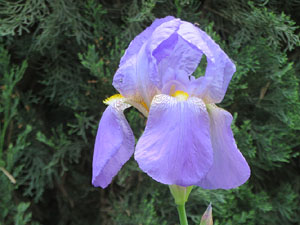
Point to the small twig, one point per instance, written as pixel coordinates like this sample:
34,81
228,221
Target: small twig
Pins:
9,176
263,92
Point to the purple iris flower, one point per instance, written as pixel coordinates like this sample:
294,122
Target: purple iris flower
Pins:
187,140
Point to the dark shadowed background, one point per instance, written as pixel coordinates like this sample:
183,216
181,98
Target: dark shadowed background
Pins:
57,61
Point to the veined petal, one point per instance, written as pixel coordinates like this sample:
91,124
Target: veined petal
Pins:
177,59
145,86
125,79
162,33
132,77
136,44
175,147
229,169
114,143
132,87
174,59
219,70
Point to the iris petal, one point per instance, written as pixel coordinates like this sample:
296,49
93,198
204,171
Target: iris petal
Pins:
177,59
132,76
174,59
219,70
125,79
170,50
229,169
175,147
136,44
114,144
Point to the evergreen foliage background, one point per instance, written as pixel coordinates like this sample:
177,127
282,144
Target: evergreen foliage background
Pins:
57,60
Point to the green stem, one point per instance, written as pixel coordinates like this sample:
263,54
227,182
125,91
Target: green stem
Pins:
182,214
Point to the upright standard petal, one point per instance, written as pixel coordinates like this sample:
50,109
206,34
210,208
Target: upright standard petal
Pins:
212,87
114,144
173,58
229,169
136,44
176,147
131,79
176,60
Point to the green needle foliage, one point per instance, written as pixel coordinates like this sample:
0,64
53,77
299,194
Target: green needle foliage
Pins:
57,61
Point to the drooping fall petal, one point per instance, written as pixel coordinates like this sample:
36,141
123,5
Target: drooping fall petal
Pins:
114,144
229,169
176,147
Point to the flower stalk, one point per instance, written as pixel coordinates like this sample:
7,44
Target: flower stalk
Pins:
181,195
182,214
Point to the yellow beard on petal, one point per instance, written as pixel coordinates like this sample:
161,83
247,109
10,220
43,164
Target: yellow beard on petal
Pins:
180,95
112,98
135,102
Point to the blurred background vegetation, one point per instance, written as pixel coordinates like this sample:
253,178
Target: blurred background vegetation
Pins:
57,61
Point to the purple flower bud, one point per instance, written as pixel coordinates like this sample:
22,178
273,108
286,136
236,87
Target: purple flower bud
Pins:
207,216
